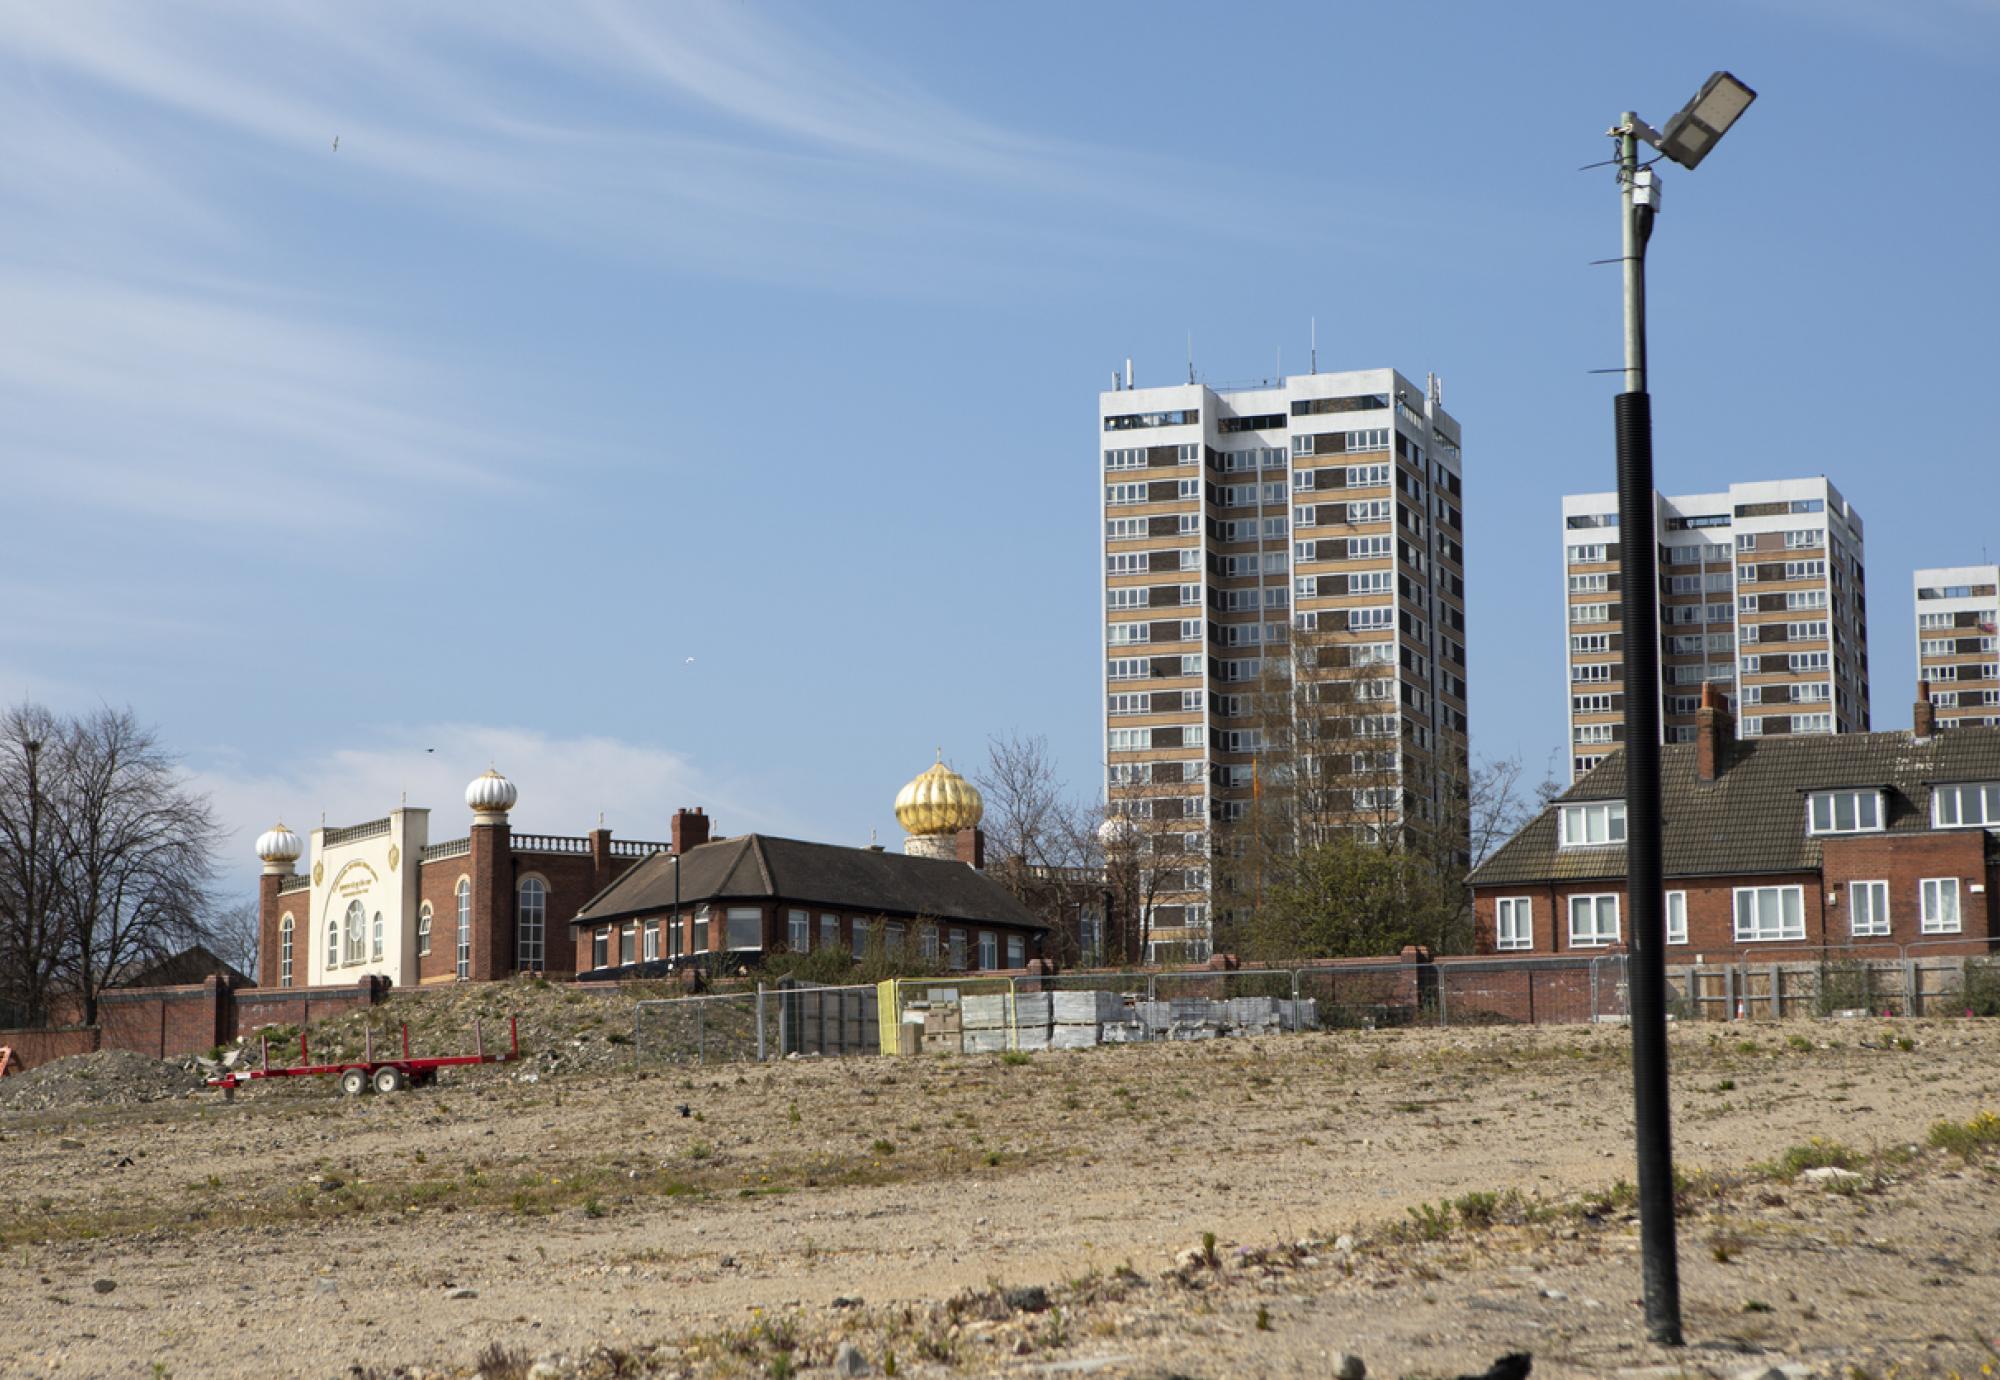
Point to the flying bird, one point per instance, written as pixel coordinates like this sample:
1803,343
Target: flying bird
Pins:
688,662
336,143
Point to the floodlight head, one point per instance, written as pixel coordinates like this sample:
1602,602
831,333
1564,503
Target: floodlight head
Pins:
1696,127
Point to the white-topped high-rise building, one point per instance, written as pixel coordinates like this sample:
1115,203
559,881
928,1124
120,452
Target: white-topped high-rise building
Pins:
1327,502
1762,588
1957,612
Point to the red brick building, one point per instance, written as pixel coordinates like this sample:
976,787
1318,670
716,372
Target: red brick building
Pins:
733,901
383,899
1864,840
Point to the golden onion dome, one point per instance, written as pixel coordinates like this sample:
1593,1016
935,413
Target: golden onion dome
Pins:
939,802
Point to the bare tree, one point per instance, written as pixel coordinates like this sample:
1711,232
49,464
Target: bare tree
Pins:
233,935
1041,843
31,873
104,854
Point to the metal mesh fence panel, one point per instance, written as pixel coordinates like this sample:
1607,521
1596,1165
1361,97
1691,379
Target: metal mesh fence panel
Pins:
772,1024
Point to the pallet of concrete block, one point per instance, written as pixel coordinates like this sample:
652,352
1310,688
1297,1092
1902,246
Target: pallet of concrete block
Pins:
1088,1008
1031,1020
1077,1036
984,1012
1302,1014
1252,1015
943,1031
1128,1032
985,1039
1156,1017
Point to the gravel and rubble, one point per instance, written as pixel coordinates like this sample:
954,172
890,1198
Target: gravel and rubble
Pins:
668,1214
109,1077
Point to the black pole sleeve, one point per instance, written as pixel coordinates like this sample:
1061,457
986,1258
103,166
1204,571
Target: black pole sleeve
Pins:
1645,900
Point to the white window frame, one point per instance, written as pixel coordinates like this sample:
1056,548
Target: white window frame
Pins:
649,942
1790,903
600,947
1823,812
1877,924
424,918
734,933
798,930
354,942
829,931
531,922
332,942
1677,917
1595,937
1949,801
375,938
1613,813
1017,951
1932,894
462,965
285,929
1513,923
989,951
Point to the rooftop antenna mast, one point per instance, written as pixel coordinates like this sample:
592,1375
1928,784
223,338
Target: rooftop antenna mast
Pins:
1190,356
1315,343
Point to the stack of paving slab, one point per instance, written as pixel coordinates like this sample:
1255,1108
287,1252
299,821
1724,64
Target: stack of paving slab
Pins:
944,1030
985,1020
1032,1013
1082,1018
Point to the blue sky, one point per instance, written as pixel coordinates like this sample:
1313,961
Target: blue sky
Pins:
769,336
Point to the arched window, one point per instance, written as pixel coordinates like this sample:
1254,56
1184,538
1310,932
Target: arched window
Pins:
464,929
285,952
357,939
375,943
332,943
424,929
530,919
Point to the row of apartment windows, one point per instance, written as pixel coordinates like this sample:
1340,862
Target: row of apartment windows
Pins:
1141,492
1792,570
1137,528
1954,592
1984,670
1145,739
1341,442
1352,477
1761,915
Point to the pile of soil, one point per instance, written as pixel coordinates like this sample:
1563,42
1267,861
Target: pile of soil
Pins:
110,1077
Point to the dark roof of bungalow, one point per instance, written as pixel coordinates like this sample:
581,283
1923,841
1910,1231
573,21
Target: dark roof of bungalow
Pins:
759,867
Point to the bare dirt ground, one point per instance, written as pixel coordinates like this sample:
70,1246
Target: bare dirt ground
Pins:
587,1221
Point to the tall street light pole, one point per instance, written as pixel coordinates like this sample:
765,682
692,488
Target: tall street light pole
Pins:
1687,140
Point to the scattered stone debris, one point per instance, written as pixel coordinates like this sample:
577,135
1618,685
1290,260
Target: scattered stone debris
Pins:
104,1286
1348,1366
461,1293
107,1077
848,1361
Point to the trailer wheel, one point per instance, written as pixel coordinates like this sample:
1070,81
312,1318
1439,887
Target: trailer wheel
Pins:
389,1079
354,1082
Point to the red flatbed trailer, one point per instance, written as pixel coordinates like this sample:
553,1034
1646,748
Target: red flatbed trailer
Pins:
388,1075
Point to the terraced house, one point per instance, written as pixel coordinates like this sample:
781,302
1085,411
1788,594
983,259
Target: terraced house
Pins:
1874,842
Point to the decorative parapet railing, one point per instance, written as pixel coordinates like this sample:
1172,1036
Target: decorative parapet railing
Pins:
549,843
296,882
637,848
450,848
354,833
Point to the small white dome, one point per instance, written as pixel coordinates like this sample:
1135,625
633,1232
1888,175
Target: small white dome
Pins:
491,794
1115,830
279,844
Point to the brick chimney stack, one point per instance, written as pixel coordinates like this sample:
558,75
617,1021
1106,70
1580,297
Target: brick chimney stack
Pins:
969,845
1923,718
1712,733
690,829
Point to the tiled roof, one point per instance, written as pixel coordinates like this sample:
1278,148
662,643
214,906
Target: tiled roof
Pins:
757,867
1751,818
